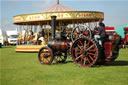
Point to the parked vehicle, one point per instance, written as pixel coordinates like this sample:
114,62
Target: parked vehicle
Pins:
3,37
12,37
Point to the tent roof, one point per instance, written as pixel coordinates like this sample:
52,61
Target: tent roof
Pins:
58,8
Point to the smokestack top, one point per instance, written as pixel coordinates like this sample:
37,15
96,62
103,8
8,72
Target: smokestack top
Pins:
57,1
53,17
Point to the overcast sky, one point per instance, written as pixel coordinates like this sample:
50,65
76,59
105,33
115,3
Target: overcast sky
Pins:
115,11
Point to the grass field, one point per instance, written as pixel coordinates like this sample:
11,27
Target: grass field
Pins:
25,69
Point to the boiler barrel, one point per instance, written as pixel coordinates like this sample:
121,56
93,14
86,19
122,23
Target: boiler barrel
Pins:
58,45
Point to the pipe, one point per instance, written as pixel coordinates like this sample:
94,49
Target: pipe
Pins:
53,25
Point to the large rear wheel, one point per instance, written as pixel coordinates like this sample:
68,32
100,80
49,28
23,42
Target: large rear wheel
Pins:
84,52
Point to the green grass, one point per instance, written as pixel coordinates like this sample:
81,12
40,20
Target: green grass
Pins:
25,69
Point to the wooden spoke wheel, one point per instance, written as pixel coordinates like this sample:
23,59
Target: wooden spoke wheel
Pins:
84,52
45,56
60,57
81,30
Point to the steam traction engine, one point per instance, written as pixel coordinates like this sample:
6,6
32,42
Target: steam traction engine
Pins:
85,51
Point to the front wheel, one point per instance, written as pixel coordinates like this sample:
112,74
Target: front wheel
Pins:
45,56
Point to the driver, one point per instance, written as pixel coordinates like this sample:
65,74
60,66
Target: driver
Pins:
101,35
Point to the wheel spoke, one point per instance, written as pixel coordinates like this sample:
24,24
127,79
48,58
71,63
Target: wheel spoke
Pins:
93,50
78,57
61,57
91,53
57,58
75,34
78,53
85,30
81,43
91,58
85,45
41,54
42,59
47,60
79,46
88,44
77,49
88,60
90,47
84,60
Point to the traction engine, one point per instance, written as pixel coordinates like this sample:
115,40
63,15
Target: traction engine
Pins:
84,50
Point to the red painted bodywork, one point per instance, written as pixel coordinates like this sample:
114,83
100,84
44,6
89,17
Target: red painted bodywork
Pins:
110,31
109,28
108,50
108,45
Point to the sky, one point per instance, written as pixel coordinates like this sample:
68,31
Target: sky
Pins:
115,11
